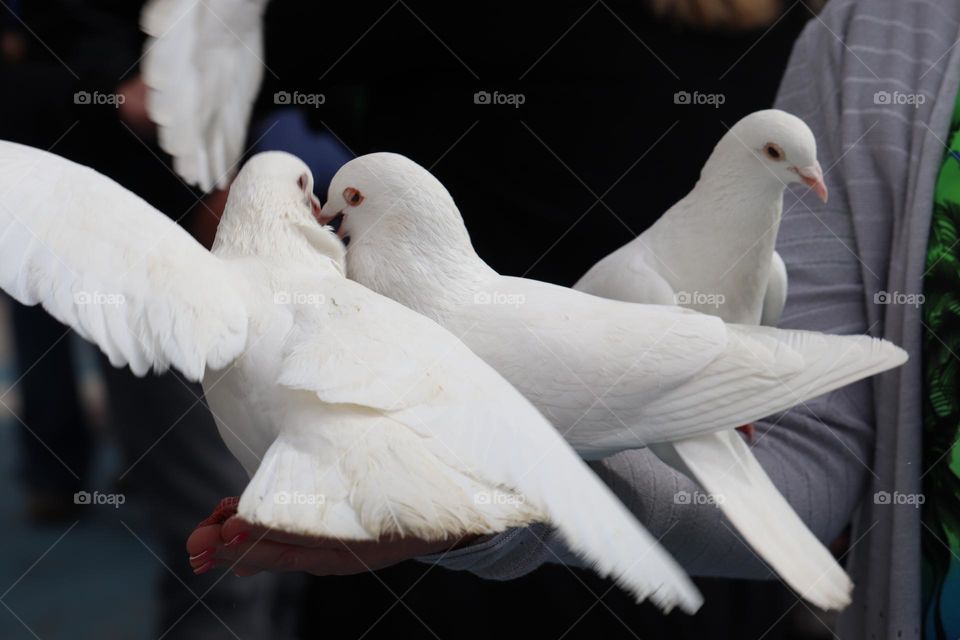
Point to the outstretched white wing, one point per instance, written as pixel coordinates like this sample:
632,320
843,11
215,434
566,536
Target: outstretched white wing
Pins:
123,275
419,389
204,64
617,376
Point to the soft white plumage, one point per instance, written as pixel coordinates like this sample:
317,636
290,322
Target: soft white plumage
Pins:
203,63
610,375
355,417
714,251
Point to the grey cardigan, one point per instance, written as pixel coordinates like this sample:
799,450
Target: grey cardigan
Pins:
855,76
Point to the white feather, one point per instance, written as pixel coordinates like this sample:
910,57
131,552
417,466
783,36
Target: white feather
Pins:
204,64
106,263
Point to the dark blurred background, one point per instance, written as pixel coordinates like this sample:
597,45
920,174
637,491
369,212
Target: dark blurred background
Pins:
621,104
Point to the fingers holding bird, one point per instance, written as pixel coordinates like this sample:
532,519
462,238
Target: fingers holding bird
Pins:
246,550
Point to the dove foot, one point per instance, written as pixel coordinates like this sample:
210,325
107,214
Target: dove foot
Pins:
224,510
748,430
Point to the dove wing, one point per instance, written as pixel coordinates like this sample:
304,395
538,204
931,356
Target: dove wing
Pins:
420,387
627,268
613,375
203,63
119,272
775,298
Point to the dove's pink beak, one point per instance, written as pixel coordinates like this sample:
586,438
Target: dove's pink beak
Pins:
334,220
316,209
812,176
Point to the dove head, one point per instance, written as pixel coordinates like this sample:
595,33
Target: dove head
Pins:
772,146
398,221
271,207
389,197
280,181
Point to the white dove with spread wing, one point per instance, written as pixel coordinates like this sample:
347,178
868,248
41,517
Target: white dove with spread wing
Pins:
356,418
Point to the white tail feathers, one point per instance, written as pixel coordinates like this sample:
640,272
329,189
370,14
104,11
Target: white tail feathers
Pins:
724,465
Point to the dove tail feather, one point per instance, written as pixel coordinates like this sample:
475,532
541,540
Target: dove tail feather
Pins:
726,468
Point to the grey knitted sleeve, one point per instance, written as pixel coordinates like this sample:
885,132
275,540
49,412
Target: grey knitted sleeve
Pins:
817,454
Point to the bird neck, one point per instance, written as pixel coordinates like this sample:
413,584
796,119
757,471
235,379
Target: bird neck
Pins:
719,239
734,193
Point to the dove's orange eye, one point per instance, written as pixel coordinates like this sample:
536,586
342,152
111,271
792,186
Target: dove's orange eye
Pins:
352,196
773,151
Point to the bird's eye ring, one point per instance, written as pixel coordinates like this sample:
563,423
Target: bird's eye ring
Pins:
352,196
302,182
773,151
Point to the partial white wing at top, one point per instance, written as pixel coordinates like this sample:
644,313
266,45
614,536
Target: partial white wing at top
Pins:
119,272
203,64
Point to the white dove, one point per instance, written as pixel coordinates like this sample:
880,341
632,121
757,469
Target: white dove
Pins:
610,375
204,64
714,251
356,418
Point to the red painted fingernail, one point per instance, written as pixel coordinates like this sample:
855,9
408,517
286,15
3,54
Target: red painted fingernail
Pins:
203,554
202,569
237,539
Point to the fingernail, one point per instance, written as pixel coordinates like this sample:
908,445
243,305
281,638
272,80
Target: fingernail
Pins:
202,569
203,554
237,539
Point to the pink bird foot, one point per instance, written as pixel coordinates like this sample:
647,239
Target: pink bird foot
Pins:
748,430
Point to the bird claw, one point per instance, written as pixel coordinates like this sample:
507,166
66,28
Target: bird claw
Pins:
748,430
224,510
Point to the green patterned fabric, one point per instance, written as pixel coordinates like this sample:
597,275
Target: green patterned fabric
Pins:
941,410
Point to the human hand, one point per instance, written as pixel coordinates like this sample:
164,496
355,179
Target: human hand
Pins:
720,14
133,107
247,550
